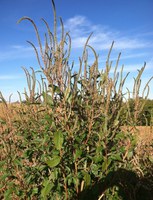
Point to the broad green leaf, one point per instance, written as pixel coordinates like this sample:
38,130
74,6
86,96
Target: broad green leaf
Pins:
78,154
69,179
120,135
106,164
47,188
75,181
54,161
54,175
116,157
99,149
58,140
87,179
35,191
95,169
97,158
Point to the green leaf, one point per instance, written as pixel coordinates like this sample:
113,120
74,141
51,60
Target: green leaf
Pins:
69,179
95,169
97,158
54,174
56,89
75,181
47,98
87,179
17,162
116,122
130,154
2,163
35,191
116,157
120,135
54,161
99,149
58,140
4,176
7,194
106,163
47,188
78,154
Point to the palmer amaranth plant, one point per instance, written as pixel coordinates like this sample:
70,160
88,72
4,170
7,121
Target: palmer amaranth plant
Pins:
66,140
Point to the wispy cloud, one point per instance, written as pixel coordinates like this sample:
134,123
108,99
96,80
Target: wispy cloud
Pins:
80,28
10,77
15,52
136,47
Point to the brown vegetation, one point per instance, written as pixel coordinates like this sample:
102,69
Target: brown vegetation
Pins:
10,113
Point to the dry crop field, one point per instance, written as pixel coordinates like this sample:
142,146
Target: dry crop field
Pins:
144,134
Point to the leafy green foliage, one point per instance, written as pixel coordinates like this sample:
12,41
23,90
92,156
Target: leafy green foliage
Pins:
68,137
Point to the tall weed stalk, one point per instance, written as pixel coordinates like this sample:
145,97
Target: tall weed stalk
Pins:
68,138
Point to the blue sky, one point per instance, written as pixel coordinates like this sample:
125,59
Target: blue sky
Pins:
127,22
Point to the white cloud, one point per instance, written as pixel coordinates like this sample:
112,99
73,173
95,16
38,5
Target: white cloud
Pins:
10,77
127,43
135,47
77,21
15,52
80,28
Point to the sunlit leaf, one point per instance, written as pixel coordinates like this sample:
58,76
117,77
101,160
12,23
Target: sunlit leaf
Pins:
54,161
47,188
87,179
58,140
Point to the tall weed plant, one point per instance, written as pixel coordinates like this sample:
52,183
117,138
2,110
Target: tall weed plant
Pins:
65,140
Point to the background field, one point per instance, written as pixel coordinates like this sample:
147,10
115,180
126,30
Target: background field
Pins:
144,134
